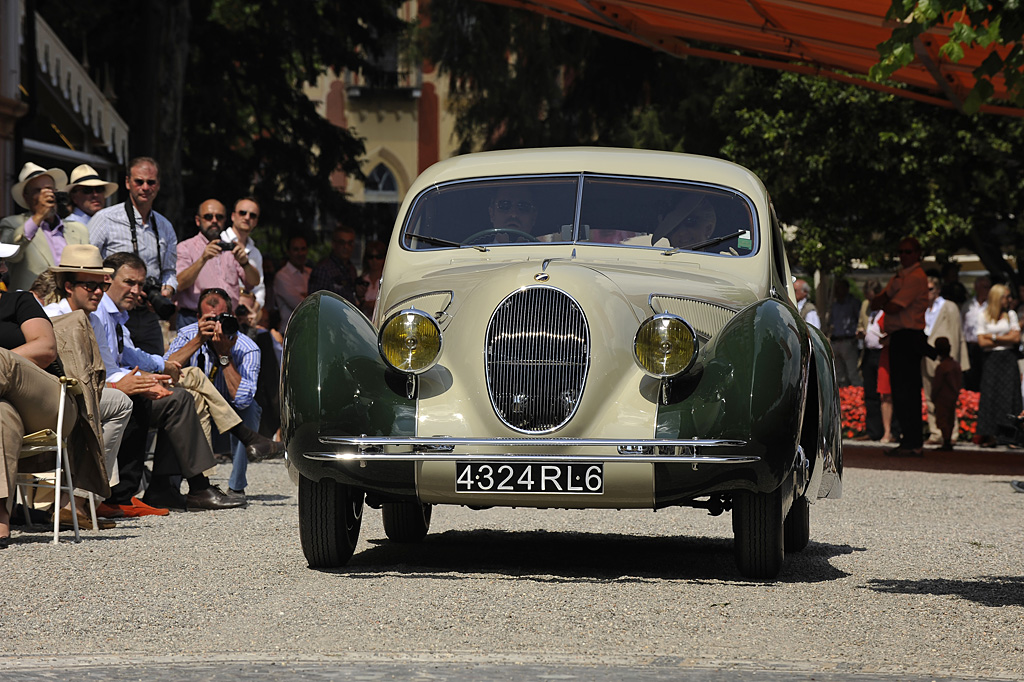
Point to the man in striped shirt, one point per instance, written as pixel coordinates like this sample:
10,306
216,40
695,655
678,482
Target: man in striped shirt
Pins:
231,360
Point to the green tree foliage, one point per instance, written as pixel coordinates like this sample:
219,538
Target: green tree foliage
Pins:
517,79
856,170
973,24
247,126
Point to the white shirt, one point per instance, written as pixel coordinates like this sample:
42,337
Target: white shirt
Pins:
256,258
812,317
970,313
932,314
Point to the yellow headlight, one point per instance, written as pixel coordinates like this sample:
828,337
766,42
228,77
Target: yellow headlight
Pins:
665,346
410,341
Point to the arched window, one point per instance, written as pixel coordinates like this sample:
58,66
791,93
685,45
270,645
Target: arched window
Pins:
381,186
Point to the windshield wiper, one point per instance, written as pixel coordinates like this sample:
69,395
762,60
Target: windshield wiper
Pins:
702,245
437,241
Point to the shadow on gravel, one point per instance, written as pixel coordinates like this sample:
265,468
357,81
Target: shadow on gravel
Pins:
555,557
987,590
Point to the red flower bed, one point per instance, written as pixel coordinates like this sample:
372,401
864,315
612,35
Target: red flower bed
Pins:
851,403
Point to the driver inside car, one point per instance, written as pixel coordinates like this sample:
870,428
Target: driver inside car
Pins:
689,223
512,211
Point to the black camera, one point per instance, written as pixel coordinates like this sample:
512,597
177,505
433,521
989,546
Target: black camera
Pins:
226,246
162,306
62,200
228,323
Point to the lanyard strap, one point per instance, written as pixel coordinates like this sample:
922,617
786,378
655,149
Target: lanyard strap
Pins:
130,210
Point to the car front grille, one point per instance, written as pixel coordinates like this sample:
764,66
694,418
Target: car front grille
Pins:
538,353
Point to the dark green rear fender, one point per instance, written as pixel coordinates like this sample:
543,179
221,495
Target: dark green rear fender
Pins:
334,382
751,386
825,447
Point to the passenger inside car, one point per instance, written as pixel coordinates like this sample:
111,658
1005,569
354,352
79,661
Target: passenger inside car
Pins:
691,221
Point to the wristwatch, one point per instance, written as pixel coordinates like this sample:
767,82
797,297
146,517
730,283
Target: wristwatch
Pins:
224,360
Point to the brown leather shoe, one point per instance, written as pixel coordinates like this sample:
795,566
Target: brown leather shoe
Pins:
264,448
212,498
84,522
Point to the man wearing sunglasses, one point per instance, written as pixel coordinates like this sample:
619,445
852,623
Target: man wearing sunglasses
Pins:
244,219
905,300
206,261
88,193
135,227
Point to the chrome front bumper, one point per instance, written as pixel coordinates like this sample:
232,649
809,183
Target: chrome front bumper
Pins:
370,448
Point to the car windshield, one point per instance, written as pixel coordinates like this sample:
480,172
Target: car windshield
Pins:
582,208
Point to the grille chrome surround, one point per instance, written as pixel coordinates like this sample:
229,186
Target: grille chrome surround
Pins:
537,356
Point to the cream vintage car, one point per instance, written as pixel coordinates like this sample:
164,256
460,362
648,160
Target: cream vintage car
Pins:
567,328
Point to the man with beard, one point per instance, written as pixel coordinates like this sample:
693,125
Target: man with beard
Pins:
206,262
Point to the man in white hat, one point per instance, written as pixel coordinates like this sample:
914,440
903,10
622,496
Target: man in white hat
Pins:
89,192
40,232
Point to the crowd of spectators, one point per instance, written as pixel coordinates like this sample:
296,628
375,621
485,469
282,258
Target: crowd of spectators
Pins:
936,340
177,345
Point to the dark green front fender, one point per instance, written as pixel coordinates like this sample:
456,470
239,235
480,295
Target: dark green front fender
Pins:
751,386
334,382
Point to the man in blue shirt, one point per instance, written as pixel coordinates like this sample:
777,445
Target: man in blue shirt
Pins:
231,360
182,448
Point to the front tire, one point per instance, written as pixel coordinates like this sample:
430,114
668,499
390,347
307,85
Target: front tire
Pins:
330,515
406,521
757,526
797,527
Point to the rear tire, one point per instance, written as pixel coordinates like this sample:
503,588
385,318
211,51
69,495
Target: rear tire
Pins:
406,521
757,526
797,527
330,515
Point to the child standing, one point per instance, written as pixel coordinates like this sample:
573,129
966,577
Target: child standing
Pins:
946,391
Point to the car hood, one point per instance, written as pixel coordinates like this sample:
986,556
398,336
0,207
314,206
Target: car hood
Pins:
628,278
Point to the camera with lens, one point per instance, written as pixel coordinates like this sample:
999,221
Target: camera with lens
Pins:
226,246
62,200
162,306
228,323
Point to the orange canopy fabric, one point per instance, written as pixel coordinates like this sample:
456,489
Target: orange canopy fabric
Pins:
833,38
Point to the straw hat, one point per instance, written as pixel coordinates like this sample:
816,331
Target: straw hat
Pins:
86,176
81,258
31,170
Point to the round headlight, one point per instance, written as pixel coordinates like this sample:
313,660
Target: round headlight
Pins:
665,346
410,341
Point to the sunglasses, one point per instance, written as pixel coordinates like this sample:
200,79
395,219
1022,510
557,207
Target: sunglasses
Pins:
210,217
89,190
505,205
139,182
252,214
91,287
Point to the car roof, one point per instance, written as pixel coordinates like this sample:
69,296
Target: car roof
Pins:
604,160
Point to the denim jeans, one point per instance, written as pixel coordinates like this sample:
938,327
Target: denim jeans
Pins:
240,461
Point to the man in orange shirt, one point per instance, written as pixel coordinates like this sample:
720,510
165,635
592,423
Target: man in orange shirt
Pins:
905,300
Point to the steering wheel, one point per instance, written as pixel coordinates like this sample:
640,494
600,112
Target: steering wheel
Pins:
478,236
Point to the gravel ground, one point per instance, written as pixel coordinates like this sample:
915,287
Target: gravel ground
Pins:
910,573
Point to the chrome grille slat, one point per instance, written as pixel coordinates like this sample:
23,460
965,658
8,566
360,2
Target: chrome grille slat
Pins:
537,357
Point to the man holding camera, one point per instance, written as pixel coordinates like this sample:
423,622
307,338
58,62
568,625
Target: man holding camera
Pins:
207,262
42,233
231,360
135,227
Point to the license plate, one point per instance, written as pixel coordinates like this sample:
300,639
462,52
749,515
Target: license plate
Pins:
580,478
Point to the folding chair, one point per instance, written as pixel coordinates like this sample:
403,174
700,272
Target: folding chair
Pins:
48,441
